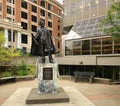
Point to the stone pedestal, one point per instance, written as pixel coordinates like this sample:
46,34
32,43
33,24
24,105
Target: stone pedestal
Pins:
47,77
47,91
35,98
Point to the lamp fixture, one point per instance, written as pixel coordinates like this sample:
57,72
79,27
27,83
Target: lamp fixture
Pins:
96,1
81,6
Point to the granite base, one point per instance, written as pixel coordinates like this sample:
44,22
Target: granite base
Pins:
35,98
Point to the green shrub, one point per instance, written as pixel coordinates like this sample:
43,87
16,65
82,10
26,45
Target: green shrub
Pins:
31,70
6,74
20,73
24,69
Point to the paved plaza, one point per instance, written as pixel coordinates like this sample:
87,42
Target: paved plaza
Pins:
81,94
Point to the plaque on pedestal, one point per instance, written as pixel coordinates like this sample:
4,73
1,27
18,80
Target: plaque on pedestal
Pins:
48,73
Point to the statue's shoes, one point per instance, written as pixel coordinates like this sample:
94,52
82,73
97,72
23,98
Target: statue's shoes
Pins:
42,61
51,61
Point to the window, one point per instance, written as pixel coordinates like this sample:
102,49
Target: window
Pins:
42,12
34,1
50,32
0,6
58,44
10,1
34,18
49,7
58,11
24,50
9,36
86,47
96,46
42,3
9,19
24,38
58,27
107,45
49,15
24,4
34,9
117,46
24,15
68,48
58,19
58,34
34,28
9,10
49,24
76,47
24,25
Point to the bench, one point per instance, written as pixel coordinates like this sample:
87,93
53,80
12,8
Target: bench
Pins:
84,76
7,80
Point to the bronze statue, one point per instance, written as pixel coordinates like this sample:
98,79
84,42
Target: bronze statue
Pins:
42,44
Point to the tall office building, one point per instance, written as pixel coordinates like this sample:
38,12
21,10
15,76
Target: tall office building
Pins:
26,15
87,47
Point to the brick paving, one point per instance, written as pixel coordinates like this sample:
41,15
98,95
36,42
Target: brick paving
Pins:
94,97
98,94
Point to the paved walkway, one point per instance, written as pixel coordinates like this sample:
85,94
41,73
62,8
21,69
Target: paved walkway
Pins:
83,94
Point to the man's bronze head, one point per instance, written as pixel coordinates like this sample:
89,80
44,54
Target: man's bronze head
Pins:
41,23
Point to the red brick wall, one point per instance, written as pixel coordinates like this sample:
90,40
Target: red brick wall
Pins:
46,14
4,8
55,28
54,18
29,16
17,10
38,14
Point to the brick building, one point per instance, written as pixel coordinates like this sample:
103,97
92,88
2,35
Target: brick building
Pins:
21,18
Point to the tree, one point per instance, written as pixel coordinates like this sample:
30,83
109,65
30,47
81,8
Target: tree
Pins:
6,54
111,23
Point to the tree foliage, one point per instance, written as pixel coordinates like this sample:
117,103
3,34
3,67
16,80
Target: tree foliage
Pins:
6,54
111,23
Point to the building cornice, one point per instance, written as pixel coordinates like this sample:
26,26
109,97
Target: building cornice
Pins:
6,24
55,3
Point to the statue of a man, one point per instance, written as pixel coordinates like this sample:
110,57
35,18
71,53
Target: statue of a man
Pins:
42,44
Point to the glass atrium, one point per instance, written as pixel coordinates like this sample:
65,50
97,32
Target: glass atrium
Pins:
92,40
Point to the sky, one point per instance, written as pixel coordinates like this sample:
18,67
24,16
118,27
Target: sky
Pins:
61,1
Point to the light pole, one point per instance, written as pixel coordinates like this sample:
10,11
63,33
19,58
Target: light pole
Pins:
12,13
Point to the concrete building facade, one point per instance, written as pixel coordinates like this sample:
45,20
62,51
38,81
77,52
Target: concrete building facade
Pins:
86,47
26,15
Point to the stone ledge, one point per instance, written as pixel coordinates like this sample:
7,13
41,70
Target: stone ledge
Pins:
35,98
65,77
102,80
14,79
24,78
5,80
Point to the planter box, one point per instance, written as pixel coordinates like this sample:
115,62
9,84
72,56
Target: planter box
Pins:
65,77
102,80
14,79
24,78
7,80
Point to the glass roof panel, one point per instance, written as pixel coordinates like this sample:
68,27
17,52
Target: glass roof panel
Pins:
88,28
